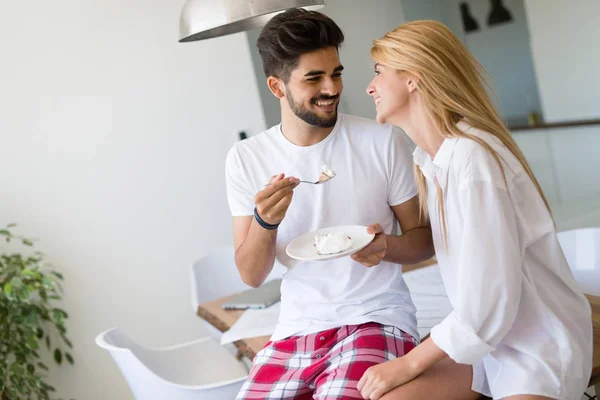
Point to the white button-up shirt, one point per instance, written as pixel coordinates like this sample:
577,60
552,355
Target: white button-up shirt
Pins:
519,316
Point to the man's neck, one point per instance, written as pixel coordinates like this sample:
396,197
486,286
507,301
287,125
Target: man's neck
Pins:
301,133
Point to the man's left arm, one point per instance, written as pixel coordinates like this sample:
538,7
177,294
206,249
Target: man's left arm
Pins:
413,246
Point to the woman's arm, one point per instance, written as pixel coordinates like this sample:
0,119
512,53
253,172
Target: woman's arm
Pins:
488,281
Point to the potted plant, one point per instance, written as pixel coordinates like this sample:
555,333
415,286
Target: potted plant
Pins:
29,320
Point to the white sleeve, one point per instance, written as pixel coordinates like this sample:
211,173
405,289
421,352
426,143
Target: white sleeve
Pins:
401,181
489,275
240,196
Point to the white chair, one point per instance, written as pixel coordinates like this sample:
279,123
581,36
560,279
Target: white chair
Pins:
197,370
215,275
582,250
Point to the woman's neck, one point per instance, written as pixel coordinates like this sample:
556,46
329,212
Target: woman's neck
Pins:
420,128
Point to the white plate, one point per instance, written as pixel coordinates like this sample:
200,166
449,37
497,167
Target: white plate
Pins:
303,248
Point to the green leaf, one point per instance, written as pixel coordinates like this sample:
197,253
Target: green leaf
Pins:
4,232
48,387
68,342
48,341
58,356
24,293
32,318
58,317
31,368
63,312
27,272
16,283
32,342
58,275
40,333
8,290
27,242
48,282
11,225
12,392
17,369
42,366
69,358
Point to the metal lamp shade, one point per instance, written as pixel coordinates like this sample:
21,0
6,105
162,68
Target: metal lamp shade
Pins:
204,19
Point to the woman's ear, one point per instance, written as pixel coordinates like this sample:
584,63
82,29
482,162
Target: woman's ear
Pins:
276,86
412,83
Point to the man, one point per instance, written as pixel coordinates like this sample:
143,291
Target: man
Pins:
338,317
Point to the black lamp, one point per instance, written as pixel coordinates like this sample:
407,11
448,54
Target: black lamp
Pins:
499,14
469,23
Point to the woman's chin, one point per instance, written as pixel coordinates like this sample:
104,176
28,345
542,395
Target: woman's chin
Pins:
380,118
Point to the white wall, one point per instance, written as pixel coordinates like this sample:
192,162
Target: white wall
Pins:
503,50
566,53
113,138
362,21
446,11
565,163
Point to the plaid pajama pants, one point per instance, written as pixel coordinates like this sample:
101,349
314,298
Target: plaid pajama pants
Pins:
323,365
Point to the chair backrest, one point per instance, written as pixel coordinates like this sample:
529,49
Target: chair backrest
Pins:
582,251
215,275
201,369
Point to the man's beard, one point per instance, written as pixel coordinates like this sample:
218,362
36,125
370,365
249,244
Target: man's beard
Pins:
310,117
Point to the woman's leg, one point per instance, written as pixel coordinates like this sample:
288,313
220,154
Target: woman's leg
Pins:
446,380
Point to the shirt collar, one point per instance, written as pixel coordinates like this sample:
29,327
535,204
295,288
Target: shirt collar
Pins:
437,169
423,161
444,154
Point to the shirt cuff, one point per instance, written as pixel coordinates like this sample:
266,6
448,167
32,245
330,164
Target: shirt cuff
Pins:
459,341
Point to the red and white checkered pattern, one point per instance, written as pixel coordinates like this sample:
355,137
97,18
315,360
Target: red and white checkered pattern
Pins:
323,365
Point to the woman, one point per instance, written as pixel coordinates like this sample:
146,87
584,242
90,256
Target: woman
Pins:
521,327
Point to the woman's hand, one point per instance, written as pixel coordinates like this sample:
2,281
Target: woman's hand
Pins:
380,379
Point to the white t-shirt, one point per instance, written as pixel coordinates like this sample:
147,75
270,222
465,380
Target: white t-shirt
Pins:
373,164
519,316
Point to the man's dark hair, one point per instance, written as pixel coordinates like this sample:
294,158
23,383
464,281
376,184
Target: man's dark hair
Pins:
292,33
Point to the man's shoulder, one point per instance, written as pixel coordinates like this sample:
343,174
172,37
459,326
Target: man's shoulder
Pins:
254,144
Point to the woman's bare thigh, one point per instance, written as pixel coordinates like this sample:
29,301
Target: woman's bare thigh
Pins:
446,380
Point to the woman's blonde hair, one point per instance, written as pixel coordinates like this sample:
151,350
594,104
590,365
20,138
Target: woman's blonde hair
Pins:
452,85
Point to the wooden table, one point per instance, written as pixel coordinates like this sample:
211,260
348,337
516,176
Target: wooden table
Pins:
221,319
595,303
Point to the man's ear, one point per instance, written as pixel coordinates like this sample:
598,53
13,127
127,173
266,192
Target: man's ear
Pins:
276,86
